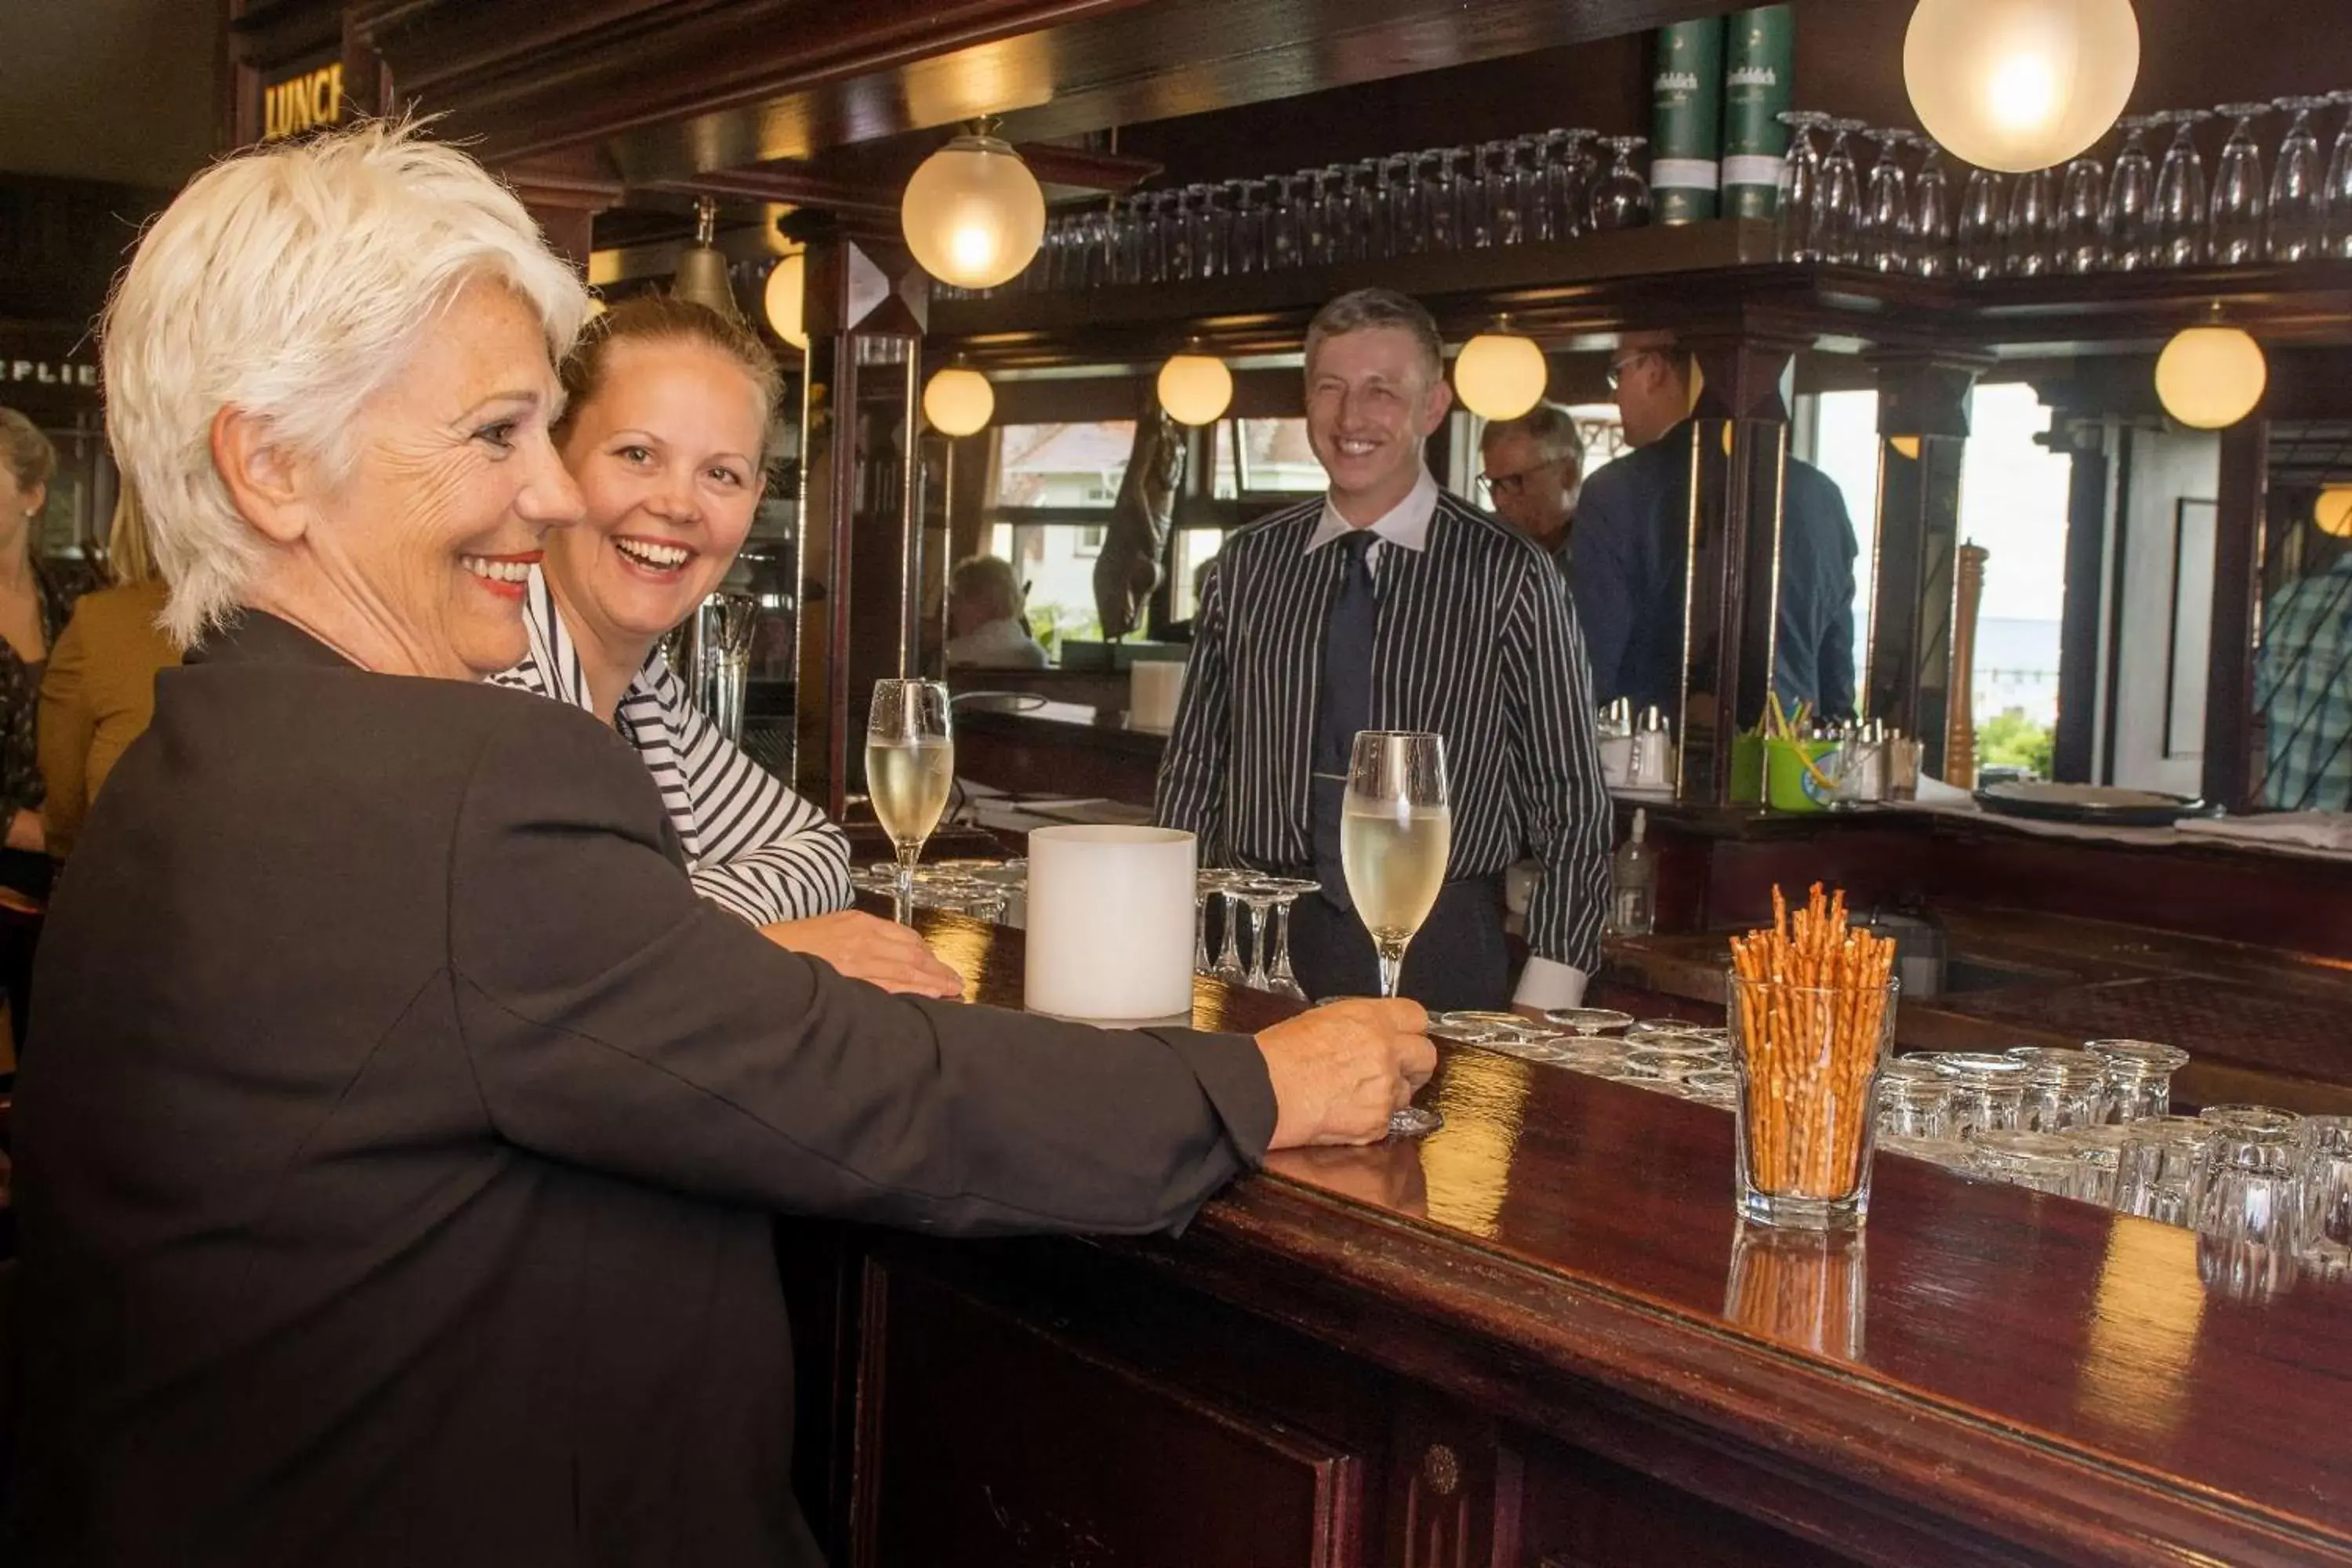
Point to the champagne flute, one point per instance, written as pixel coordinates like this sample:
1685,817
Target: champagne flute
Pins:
909,767
1396,827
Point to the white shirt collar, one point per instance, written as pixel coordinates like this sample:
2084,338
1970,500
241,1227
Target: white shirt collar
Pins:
1405,525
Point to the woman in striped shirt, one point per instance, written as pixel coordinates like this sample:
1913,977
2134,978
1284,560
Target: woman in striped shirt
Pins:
665,432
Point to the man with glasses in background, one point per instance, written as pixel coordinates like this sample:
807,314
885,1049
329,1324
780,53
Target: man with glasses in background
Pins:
1632,554
1531,468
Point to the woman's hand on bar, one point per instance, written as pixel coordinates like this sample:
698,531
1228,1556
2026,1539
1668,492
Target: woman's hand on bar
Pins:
878,951
1340,1072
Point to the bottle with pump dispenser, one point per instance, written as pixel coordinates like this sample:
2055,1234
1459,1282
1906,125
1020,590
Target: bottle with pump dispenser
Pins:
1633,882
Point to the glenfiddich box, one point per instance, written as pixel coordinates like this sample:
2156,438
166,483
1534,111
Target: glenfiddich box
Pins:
1686,118
1761,52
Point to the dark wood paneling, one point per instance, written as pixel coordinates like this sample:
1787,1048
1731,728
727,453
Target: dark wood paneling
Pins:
989,1442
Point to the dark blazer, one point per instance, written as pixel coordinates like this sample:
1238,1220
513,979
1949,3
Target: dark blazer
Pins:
1633,558
397,1152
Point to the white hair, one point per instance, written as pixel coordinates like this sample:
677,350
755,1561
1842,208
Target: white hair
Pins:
293,282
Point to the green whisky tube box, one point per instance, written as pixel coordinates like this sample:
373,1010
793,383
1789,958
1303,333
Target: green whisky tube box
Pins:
1686,121
1759,60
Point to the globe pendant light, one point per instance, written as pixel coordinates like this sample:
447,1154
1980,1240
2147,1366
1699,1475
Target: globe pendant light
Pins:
2019,85
1501,375
2333,512
974,214
702,271
786,299
958,401
1195,388
2211,377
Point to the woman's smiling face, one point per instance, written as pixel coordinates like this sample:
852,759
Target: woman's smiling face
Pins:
667,455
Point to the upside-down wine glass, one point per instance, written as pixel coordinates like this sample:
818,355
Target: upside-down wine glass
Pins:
1837,199
2077,239
909,767
2180,205
1287,890
1621,198
2240,195
1258,897
1396,829
1984,213
2298,200
2128,218
1932,226
2032,202
2337,241
1801,174
1887,220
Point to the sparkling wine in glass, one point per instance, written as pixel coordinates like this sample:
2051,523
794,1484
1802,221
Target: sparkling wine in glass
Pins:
909,767
1396,827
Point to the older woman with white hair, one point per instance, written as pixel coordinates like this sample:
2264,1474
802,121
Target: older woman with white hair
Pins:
397,1139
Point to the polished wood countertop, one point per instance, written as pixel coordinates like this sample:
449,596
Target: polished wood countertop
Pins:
2024,1377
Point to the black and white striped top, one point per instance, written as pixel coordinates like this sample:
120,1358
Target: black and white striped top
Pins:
753,846
1475,640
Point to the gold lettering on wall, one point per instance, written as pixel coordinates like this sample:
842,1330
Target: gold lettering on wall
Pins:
302,103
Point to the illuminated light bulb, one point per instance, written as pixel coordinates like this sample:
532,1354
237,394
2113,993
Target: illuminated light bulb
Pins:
2211,377
974,214
1501,375
2332,514
2019,85
1196,389
958,401
786,299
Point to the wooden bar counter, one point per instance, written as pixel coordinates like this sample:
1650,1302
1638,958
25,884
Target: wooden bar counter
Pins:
1538,1338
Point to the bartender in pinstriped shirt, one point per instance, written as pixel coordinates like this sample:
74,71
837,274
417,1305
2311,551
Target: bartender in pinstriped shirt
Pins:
1389,604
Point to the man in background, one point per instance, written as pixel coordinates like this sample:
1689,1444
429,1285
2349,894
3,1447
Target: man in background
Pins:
985,626
1387,603
1633,554
1532,468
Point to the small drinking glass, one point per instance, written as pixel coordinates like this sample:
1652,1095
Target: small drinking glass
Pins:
1212,229
1806,1120
1837,199
2063,1089
2240,195
909,770
1934,247
2336,237
2078,227
2180,205
2032,206
2099,1150
1988,1091
1396,829
1392,212
2161,1175
1621,198
2127,221
2299,196
1246,244
1286,222
2140,1076
2250,1118
1490,199
2042,1161
1447,198
1800,175
1984,213
1887,221
1670,1064
1339,232
2252,1196
2324,1235
1589,1020
1914,1100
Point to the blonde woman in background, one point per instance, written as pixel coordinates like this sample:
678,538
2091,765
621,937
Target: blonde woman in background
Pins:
100,690
34,605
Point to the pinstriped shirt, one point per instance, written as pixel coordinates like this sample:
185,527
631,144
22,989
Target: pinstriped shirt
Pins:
753,846
1475,639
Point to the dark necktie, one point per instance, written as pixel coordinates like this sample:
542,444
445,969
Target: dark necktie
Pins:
1343,705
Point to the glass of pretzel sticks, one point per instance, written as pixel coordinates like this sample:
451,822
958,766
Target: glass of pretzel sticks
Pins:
1811,1008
